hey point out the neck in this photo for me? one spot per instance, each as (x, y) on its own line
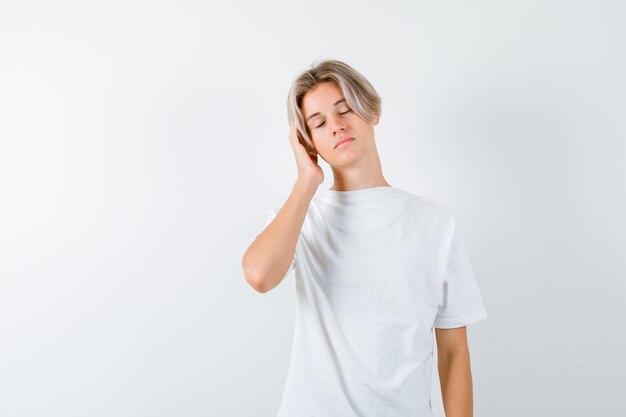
(356, 178)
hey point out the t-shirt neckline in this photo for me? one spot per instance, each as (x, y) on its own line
(362, 192)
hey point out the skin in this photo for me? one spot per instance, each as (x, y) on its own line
(455, 375)
(356, 165)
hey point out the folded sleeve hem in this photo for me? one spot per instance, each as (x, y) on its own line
(460, 321)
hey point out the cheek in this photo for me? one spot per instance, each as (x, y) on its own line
(317, 139)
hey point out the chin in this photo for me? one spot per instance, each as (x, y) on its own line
(346, 159)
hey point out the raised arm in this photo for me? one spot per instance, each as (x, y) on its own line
(269, 256)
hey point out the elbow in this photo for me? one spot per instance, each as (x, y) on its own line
(256, 283)
(258, 274)
(254, 279)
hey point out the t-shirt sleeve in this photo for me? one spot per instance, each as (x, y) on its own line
(461, 302)
(271, 214)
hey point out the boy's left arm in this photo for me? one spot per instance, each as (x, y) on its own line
(455, 374)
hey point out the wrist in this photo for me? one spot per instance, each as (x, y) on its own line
(308, 185)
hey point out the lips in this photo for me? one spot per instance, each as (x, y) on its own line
(342, 140)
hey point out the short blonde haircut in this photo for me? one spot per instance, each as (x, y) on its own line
(360, 95)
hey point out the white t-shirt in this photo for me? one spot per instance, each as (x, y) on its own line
(376, 269)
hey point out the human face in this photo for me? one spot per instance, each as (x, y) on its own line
(329, 119)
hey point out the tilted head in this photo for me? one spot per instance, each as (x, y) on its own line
(332, 101)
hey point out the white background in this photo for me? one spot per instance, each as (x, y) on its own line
(142, 145)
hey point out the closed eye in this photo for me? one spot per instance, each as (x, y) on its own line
(321, 124)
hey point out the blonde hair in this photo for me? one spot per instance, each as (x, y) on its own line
(359, 94)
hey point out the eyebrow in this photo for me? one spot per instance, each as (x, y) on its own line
(315, 114)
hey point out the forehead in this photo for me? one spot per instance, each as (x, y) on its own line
(321, 97)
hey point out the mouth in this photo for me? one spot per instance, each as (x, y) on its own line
(342, 141)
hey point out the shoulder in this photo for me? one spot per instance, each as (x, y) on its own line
(431, 209)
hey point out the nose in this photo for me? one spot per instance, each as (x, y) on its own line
(337, 126)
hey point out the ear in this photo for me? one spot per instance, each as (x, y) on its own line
(377, 119)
